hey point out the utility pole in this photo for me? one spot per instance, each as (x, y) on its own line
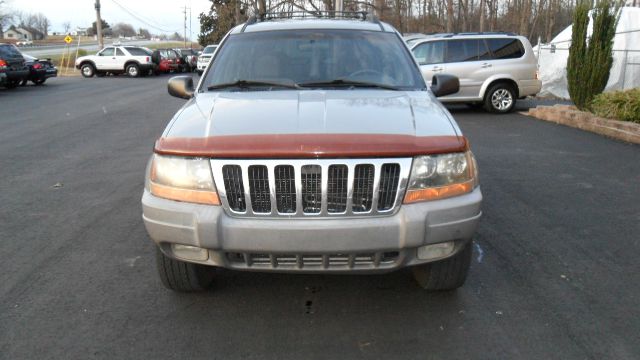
(185, 26)
(339, 6)
(99, 25)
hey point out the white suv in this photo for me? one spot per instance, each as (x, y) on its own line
(494, 69)
(132, 60)
(205, 58)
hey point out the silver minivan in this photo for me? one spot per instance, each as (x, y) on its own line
(494, 69)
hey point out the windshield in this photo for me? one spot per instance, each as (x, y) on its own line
(318, 57)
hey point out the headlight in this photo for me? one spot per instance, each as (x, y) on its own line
(436, 177)
(182, 179)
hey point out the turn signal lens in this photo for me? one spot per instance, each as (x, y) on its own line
(182, 179)
(3, 64)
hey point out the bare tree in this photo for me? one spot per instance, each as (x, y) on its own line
(66, 26)
(450, 15)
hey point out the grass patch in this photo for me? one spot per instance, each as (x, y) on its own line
(620, 105)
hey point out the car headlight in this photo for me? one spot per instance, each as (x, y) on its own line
(182, 179)
(436, 177)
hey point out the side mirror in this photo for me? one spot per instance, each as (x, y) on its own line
(181, 86)
(443, 84)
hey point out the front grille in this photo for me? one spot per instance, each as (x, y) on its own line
(326, 188)
(337, 189)
(232, 179)
(388, 186)
(285, 189)
(363, 188)
(259, 189)
(313, 261)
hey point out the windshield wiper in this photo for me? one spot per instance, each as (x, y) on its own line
(349, 83)
(249, 83)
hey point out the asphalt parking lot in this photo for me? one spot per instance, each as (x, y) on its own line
(555, 271)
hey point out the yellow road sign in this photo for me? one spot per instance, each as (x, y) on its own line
(68, 39)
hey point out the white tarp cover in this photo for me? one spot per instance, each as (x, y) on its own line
(624, 75)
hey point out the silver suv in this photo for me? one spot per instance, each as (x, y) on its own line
(494, 69)
(312, 146)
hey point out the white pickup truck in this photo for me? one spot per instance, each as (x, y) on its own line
(132, 60)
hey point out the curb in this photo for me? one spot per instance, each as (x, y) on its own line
(570, 116)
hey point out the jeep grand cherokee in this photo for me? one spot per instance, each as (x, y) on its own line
(312, 146)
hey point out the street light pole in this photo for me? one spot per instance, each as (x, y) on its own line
(99, 25)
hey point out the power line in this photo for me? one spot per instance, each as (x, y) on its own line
(139, 18)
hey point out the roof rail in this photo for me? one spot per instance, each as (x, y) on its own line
(479, 33)
(313, 14)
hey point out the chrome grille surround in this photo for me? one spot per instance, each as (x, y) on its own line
(315, 171)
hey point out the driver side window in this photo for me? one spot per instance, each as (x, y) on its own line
(107, 52)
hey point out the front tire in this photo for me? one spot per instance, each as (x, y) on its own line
(133, 70)
(501, 98)
(183, 276)
(447, 274)
(87, 70)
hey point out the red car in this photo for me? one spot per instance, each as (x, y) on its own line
(167, 60)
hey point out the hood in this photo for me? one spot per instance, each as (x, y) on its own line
(318, 121)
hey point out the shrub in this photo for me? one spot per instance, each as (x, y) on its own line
(621, 105)
(590, 59)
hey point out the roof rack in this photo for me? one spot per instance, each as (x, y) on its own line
(313, 14)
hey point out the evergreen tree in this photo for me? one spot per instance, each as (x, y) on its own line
(590, 59)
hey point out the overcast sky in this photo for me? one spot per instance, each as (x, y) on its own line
(158, 16)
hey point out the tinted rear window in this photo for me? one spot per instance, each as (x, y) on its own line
(505, 48)
(137, 51)
(9, 51)
(462, 50)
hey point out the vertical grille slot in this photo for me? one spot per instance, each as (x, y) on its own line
(259, 189)
(311, 188)
(388, 188)
(363, 187)
(337, 189)
(232, 177)
(285, 189)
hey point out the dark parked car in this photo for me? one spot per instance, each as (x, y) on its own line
(39, 70)
(189, 59)
(12, 61)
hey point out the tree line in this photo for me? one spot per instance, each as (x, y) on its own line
(531, 18)
(37, 21)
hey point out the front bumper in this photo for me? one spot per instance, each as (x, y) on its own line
(390, 242)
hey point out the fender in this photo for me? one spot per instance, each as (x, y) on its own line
(494, 78)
